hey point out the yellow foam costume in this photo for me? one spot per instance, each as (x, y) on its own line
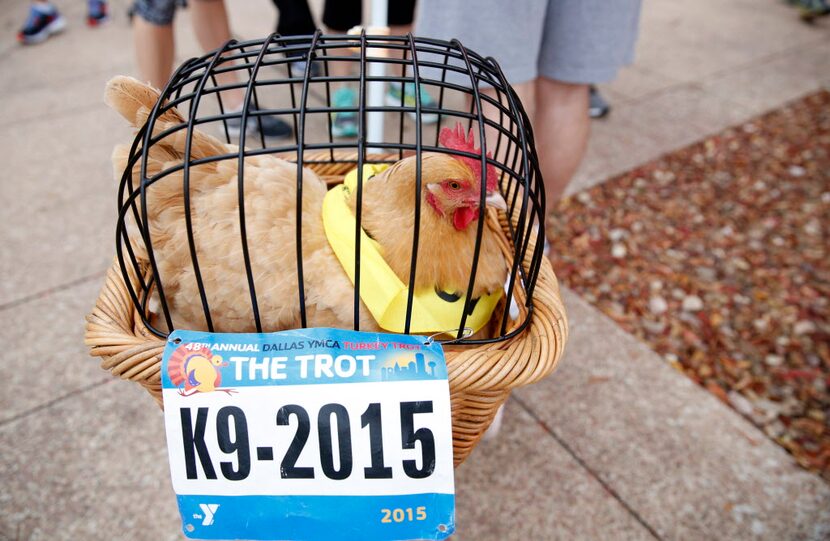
(383, 293)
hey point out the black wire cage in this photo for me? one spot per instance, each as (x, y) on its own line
(464, 87)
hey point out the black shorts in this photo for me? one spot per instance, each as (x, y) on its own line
(341, 15)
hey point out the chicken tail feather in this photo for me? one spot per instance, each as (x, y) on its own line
(129, 96)
(134, 100)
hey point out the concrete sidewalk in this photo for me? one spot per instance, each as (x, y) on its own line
(615, 445)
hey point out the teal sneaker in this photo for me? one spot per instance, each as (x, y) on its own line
(393, 98)
(344, 123)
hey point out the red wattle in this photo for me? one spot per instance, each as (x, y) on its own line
(462, 217)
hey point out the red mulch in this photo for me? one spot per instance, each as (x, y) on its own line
(718, 256)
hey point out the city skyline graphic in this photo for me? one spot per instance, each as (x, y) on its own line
(417, 366)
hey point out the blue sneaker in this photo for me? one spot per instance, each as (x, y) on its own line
(344, 123)
(43, 21)
(97, 13)
(393, 98)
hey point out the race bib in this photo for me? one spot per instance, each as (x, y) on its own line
(310, 434)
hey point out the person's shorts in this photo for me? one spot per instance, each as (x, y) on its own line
(158, 12)
(342, 15)
(575, 41)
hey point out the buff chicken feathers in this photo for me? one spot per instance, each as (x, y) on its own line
(449, 214)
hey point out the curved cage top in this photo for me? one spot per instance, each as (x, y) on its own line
(291, 78)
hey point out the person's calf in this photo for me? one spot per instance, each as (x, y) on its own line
(561, 126)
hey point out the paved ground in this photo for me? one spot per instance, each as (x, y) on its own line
(616, 445)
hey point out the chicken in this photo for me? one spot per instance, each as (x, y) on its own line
(448, 224)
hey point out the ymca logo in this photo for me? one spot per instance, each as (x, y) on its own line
(208, 511)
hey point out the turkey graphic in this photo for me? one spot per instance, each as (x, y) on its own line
(196, 371)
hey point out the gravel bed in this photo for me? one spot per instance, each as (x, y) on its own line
(718, 256)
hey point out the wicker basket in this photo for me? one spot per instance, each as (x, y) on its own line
(480, 377)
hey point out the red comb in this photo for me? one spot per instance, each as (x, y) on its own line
(457, 140)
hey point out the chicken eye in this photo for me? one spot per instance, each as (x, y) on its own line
(454, 185)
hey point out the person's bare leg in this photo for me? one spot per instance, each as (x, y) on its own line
(339, 68)
(527, 96)
(154, 47)
(210, 23)
(561, 127)
(399, 29)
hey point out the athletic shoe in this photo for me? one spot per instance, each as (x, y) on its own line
(597, 107)
(344, 123)
(96, 14)
(41, 23)
(271, 125)
(393, 98)
(298, 68)
(813, 9)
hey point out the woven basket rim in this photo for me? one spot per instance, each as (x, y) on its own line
(480, 376)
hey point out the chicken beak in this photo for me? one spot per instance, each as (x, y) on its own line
(495, 200)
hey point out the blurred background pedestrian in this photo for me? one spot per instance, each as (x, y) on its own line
(340, 16)
(551, 52)
(154, 43)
